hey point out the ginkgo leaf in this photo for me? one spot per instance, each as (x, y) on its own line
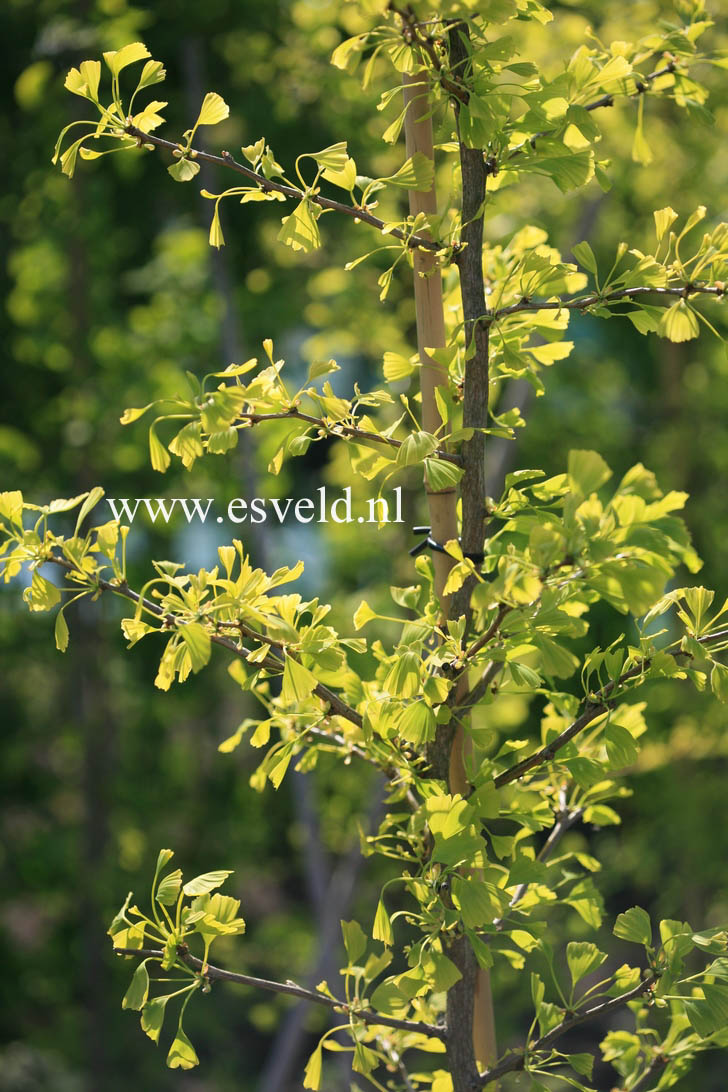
(300, 230)
(182, 1053)
(382, 930)
(128, 54)
(84, 80)
(183, 170)
(158, 453)
(214, 109)
(197, 640)
(208, 881)
(312, 1072)
(136, 996)
(334, 157)
(416, 173)
(298, 682)
(153, 72)
(417, 723)
(664, 218)
(641, 151)
(585, 256)
(679, 323)
(397, 367)
(61, 632)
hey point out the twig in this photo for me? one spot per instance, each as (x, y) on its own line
(603, 100)
(582, 303)
(490, 632)
(593, 708)
(564, 821)
(412, 36)
(518, 1060)
(481, 687)
(654, 1070)
(336, 704)
(395, 1060)
(269, 185)
(219, 974)
(547, 753)
(335, 428)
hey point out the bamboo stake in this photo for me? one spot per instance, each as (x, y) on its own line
(442, 504)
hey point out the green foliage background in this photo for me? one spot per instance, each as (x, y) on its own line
(111, 293)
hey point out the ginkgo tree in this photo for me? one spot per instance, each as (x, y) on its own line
(502, 590)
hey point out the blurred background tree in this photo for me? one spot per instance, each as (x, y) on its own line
(111, 293)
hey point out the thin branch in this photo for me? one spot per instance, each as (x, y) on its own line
(412, 36)
(481, 687)
(269, 185)
(652, 1073)
(335, 428)
(272, 661)
(395, 1060)
(337, 740)
(593, 708)
(490, 632)
(582, 303)
(565, 820)
(514, 1062)
(219, 974)
(547, 753)
(604, 100)
(608, 100)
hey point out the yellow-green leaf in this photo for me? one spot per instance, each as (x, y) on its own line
(441, 474)
(634, 925)
(158, 453)
(197, 640)
(641, 151)
(664, 218)
(168, 890)
(133, 414)
(382, 930)
(153, 72)
(136, 996)
(182, 1053)
(208, 881)
(417, 723)
(363, 614)
(183, 170)
(298, 682)
(587, 471)
(84, 80)
(416, 173)
(11, 506)
(334, 157)
(128, 54)
(679, 323)
(300, 229)
(152, 1016)
(719, 681)
(61, 632)
(42, 594)
(312, 1073)
(397, 367)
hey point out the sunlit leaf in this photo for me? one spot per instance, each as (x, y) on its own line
(214, 109)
